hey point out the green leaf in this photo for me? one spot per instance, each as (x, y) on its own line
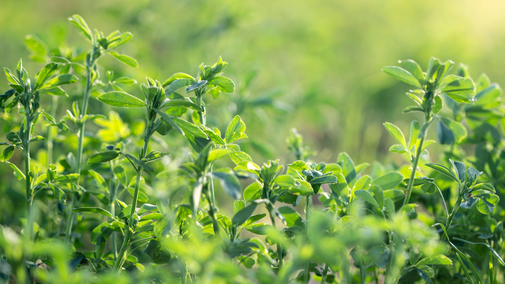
(390, 206)
(81, 26)
(247, 262)
(121, 99)
(119, 40)
(58, 91)
(224, 84)
(426, 270)
(436, 260)
(189, 127)
(238, 156)
(254, 218)
(415, 129)
(58, 193)
(487, 202)
(259, 228)
(170, 121)
(444, 134)
(457, 129)
(303, 189)
(394, 194)
(389, 180)
(413, 109)
(443, 170)
(92, 210)
(285, 181)
(125, 81)
(37, 47)
(397, 148)
(178, 76)
(437, 106)
(182, 103)
(45, 74)
(460, 89)
(70, 178)
(128, 60)
(6, 153)
(462, 255)
(229, 182)
(103, 157)
(348, 168)
(396, 133)
(324, 180)
(252, 192)
(402, 75)
(216, 154)
(460, 169)
(235, 130)
(489, 95)
(17, 172)
(238, 205)
(414, 68)
(291, 216)
(142, 197)
(487, 245)
(196, 85)
(179, 83)
(120, 173)
(484, 186)
(244, 214)
(11, 78)
(378, 195)
(365, 195)
(58, 81)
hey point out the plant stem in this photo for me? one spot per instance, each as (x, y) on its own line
(362, 272)
(325, 273)
(113, 189)
(212, 202)
(419, 150)
(454, 210)
(126, 241)
(118, 263)
(28, 184)
(80, 137)
(279, 247)
(307, 216)
(199, 101)
(54, 102)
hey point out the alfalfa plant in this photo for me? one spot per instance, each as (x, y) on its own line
(457, 90)
(163, 110)
(27, 94)
(101, 45)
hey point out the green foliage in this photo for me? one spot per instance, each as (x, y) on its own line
(148, 197)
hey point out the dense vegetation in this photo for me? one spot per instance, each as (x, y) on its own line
(137, 203)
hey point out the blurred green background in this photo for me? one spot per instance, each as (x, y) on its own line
(320, 59)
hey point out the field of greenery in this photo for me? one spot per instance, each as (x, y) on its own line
(252, 142)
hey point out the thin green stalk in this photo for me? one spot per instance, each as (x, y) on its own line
(419, 150)
(113, 189)
(279, 247)
(307, 216)
(199, 101)
(118, 263)
(80, 137)
(50, 138)
(126, 241)
(362, 274)
(212, 205)
(28, 184)
(453, 213)
(325, 273)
